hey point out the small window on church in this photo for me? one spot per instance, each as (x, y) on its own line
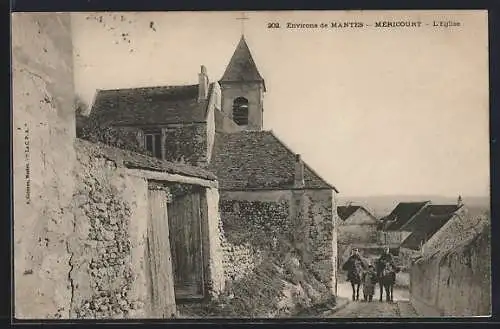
(240, 111)
(153, 143)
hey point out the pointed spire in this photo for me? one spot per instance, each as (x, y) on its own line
(241, 67)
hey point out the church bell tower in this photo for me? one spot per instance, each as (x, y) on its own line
(243, 89)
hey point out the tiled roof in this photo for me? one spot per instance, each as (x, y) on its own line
(400, 215)
(257, 160)
(135, 160)
(427, 223)
(241, 67)
(431, 211)
(149, 105)
(345, 211)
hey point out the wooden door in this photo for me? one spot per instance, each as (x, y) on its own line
(160, 260)
(186, 244)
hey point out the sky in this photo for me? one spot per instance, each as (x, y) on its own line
(375, 111)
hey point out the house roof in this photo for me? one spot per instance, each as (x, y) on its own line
(148, 105)
(400, 215)
(431, 211)
(242, 67)
(427, 223)
(345, 212)
(135, 160)
(257, 160)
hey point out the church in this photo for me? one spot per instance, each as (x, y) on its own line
(263, 185)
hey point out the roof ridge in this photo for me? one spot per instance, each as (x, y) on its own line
(148, 87)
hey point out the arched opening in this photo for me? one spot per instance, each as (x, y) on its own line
(240, 111)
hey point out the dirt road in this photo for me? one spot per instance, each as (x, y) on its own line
(400, 307)
(344, 290)
(376, 309)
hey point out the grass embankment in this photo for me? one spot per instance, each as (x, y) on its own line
(279, 286)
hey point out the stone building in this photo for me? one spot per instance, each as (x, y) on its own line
(357, 226)
(93, 235)
(219, 126)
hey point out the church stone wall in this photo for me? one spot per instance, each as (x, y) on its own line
(223, 123)
(316, 232)
(186, 143)
(303, 220)
(251, 91)
(43, 159)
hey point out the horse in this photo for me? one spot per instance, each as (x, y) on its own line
(354, 270)
(386, 274)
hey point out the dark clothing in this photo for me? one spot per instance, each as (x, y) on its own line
(354, 266)
(384, 259)
(369, 280)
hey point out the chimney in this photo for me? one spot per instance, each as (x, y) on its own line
(299, 172)
(203, 84)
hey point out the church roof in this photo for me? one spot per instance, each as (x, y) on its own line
(148, 105)
(242, 67)
(427, 223)
(257, 160)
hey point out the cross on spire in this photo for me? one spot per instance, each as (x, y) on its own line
(242, 18)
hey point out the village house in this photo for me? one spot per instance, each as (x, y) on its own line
(390, 230)
(219, 126)
(423, 227)
(357, 226)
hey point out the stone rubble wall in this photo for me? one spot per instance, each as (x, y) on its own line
(454, 282)
(108, 256)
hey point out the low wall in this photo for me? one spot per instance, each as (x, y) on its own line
(456, 282)
(108, 276)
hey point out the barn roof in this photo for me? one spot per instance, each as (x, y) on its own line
(257, 160)
(403, 213)
(427, 223)
(135, 160)
(242, 67)
(149, 105)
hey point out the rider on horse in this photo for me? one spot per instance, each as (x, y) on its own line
(386, 257)
(354, 267)
(352, 263)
